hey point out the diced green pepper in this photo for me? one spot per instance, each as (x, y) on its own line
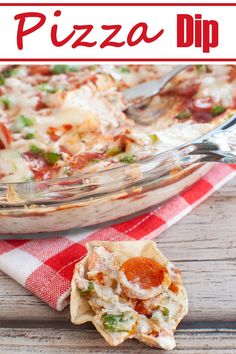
(63, 69)
(124, 69)
(185, 114)
(2, 80)
(52, 157)
(217, 110)
(29, 136)
(114, 323)
(5, 101)
(154, 138)
(73, 68)
(47, 88)
(201, 69)
(67, 171)
(10, 72)
(59, 69)
(36, 149)
(115, 150)
(89, 289)
(127, 158)
(23, 121)
(165, 312)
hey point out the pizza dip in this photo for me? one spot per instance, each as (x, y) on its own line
(62, 120)
(129, 290)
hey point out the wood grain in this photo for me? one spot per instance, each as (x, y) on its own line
(88, 341)
(203, 245)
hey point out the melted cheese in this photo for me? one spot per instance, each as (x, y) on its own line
(85, 111)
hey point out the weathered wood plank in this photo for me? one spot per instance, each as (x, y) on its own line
(203, 245)
(88, 341)
(211, 293)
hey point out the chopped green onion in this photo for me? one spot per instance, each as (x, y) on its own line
(165, 312)
(23, 121)
(35, 149)
(127, 158)
(114, 323)
(52, 157)
(29, 136)
(217, 110)
(155, 138)
(5, 101)
(47, 88)
(2, 80)
(185, 114)
(115, 150)
(89, 289)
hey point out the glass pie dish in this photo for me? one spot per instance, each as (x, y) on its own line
(70, 156)
(89, 199)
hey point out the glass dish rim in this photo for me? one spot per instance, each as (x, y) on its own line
(162, 163)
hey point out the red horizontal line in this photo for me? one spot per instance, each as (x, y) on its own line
(118, 4)
(113, 59)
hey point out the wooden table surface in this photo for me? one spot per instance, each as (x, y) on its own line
(203, 245)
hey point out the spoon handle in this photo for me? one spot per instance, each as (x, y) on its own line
(217, 145)
(150, 88)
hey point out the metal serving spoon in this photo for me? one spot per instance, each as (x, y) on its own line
(218, 145)
(138, 97)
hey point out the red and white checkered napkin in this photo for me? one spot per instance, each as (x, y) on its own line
(45, 266)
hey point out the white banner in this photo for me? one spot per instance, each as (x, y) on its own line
(117, 32)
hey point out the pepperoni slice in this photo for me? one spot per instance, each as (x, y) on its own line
(146, 272)
(203, 104)
(5, 136)
(67, 127)
(41, 169)
(232, 74)
(174, 288)
(81, 160)
(140, 307)
(202, 117)
(40, 103)
(187, 88)
(40, 70)
(52, 132)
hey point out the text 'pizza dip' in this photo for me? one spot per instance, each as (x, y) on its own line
(58, 121)
(129, 290)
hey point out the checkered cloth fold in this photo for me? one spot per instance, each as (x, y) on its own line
(45, 266)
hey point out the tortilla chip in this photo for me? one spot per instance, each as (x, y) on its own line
(81, 311)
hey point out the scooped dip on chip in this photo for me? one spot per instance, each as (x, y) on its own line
(129, 290)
